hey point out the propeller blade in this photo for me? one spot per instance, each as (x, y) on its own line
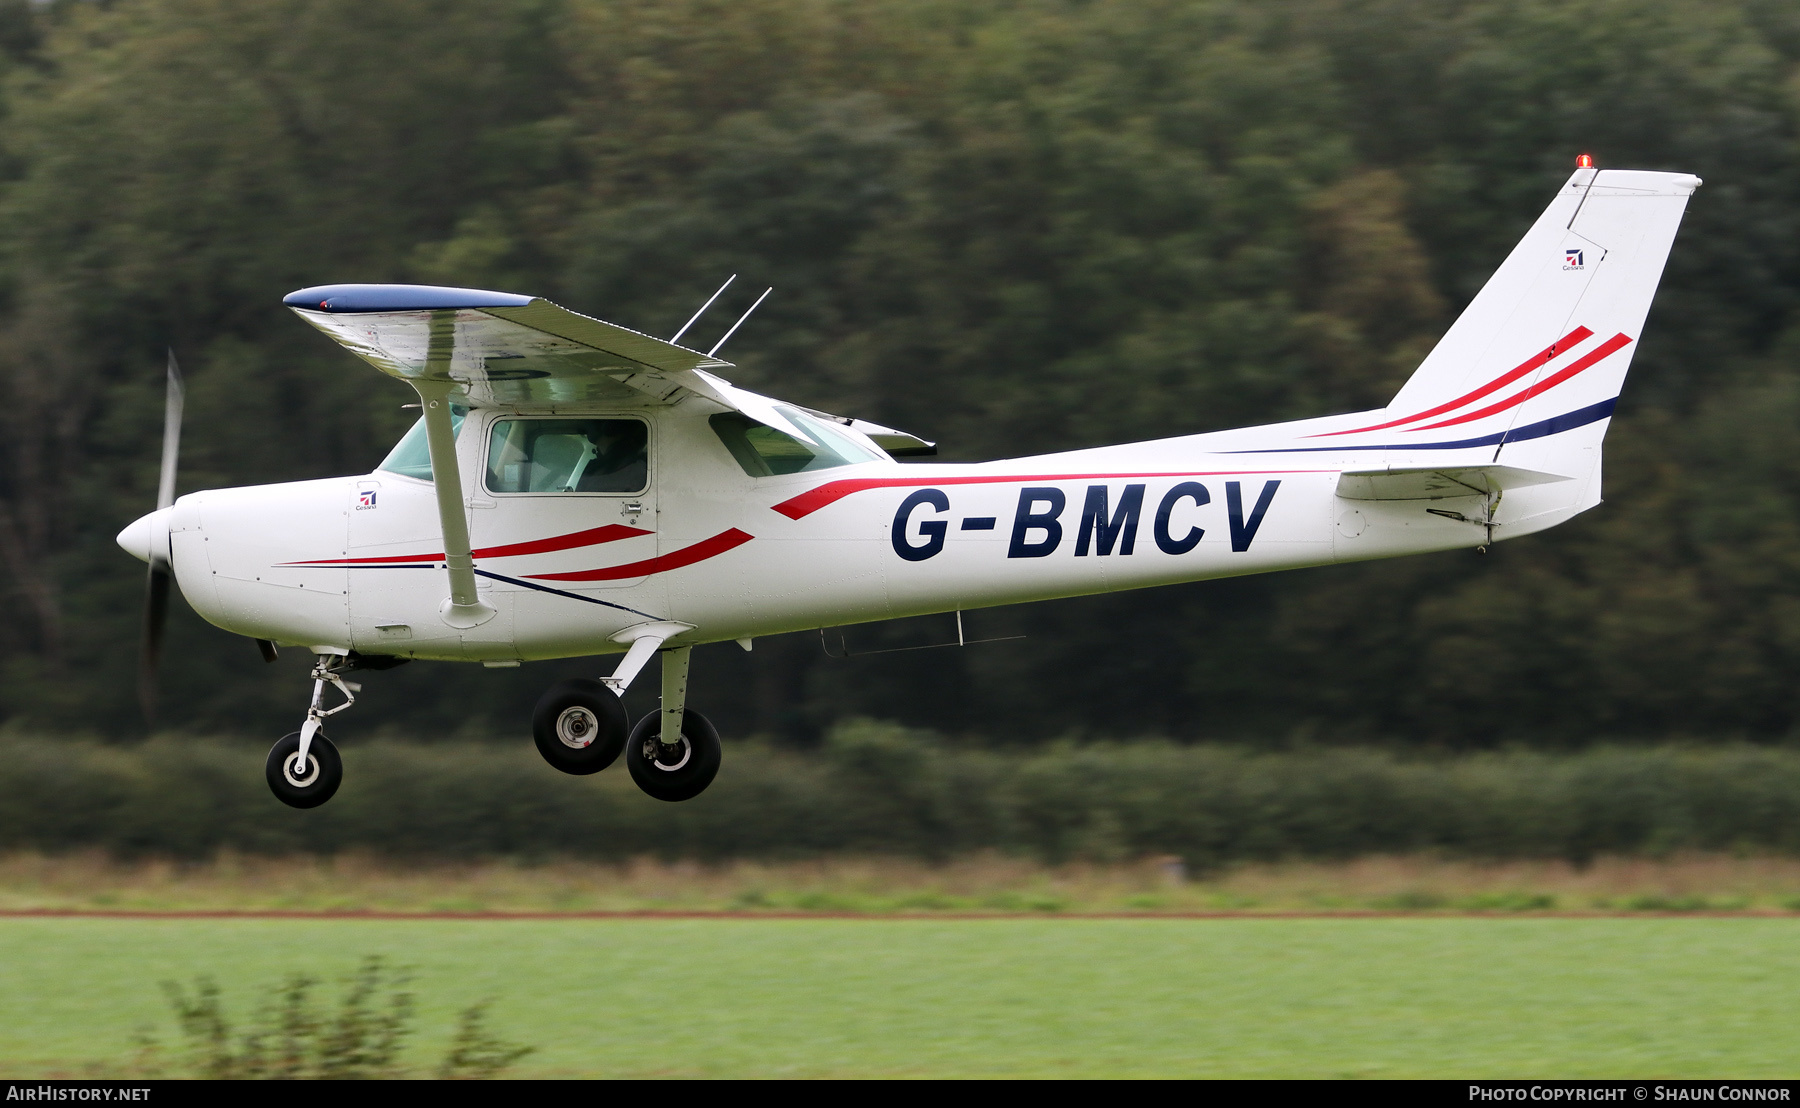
(174, 400)
(161, 579)
(156, 614)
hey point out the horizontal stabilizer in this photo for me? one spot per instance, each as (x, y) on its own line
(1422, 483)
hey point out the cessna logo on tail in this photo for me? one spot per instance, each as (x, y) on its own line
(1105, 527)
(1572, 259)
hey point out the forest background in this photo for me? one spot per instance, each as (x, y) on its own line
(1009, 227)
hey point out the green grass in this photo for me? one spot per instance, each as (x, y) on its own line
(1457, 997)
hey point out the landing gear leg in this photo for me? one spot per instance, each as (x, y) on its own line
(303, 768)
(674, 752)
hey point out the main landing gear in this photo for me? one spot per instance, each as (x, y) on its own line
(580, 726)
(673, 753)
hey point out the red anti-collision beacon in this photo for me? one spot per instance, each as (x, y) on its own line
(1584, 161)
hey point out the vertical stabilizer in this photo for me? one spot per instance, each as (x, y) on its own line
(1541, 353)
(1530, 372)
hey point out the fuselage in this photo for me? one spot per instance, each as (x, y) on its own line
(355, 563)
(610, 482)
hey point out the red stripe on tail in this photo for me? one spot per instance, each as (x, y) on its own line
(1573, 338)
(1600, 353)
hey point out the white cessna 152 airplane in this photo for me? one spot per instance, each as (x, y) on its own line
(576, 488)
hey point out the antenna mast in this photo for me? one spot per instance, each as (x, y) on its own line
(703, 307)
(740, 321)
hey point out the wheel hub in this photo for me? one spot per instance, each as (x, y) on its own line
(667, 758)
(577, 727)
(297, 775)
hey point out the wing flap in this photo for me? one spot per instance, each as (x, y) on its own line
(623, 342)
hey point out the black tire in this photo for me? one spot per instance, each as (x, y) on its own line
(693, 767)
(580, 726)
(326, 771)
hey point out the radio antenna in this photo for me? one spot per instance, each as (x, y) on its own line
(703, 307)
(740, 321)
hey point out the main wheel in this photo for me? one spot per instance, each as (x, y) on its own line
(681, 772)
(305, 786)
(580, 726)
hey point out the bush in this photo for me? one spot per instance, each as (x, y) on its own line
(290, 1037)
(876, 789)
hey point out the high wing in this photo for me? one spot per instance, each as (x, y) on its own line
(523, 353)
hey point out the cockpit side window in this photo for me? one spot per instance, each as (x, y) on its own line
(763, 451)
(411, 456)
(569, 455)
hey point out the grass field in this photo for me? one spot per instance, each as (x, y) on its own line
(1464, 997)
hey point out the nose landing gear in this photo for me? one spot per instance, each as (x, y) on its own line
(303, 768)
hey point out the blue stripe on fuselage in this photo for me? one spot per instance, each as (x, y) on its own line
(1581, 417)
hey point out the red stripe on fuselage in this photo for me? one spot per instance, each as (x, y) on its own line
(612, 532)
(686, 556)
(831, 492)
(1562, 345)
(594, 536)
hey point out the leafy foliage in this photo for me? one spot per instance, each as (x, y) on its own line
(877, 789)
(290, 1038)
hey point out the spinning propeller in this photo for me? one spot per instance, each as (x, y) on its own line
(160, 578)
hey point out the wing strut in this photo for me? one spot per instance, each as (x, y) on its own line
(464, 609)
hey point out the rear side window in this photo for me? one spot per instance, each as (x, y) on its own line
(765, 452)
(568, 455)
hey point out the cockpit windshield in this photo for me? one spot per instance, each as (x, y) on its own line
(411, 456)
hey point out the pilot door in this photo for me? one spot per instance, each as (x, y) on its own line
(563, 512)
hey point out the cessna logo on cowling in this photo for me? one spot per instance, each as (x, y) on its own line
(1104, 528)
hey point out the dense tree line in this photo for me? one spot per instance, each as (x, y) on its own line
(1009, 227)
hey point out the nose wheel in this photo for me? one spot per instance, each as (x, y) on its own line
(304, 780)
(303, 768)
